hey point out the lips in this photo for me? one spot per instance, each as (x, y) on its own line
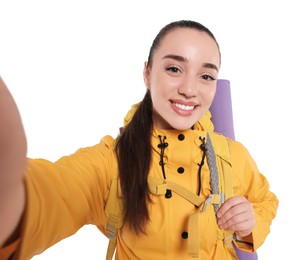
(183, 108)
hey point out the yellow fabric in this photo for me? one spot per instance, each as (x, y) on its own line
(72, 192)
(111, 249)
(225, 187)
(159, 188)
(114, 214)
(193, 232)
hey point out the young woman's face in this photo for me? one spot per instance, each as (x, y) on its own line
(182, 79)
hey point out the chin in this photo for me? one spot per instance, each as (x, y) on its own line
(181, 126)
(174, 123)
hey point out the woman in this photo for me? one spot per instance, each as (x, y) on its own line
(164, 139)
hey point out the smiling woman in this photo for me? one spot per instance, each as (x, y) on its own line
(173, 171)
(186, 76)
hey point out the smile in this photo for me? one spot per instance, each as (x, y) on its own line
(183, 107)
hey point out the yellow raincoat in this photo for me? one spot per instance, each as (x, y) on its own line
(72, 192)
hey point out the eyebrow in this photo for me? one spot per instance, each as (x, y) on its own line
(183, 59)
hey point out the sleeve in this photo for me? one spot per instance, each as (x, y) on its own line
(252, 184)
(63, 196)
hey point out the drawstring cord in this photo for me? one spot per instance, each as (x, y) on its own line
(163, 144)
(162, 147)
(204, 149)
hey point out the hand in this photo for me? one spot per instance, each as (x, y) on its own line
(237, 214)
(13, 161)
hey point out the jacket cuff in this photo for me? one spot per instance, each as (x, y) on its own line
(245, 244)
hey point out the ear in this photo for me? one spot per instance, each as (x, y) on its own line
(146, 75)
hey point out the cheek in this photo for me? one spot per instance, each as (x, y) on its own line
(161, 82)
(157, 86)
(210, 95)
(154, 81)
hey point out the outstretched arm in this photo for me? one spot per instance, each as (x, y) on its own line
(13, 149)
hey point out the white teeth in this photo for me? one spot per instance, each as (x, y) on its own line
(183, 106)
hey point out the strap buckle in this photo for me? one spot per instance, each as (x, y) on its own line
(111, 231)
(213, 199)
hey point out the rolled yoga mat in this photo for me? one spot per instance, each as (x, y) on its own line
(221, 109)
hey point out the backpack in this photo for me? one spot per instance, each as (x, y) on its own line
(218, 159)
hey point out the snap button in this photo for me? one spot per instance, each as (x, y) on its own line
(185, 235)
(181, 170)
(181, 137)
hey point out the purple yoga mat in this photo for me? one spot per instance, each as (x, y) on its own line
(222, 119)
(221, 109)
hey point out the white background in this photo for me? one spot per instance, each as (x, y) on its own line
(75, 68)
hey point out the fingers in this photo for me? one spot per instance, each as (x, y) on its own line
(237, 214)
(230, 203)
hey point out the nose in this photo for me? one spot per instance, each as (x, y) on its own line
(188, 87)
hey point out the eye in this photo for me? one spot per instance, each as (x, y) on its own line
(173, 69)
(208, 77)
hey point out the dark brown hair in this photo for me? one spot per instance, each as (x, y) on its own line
(133, 148)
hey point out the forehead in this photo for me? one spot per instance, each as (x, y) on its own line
(189, 43)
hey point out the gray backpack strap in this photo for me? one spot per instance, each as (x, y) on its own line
(214, 178)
